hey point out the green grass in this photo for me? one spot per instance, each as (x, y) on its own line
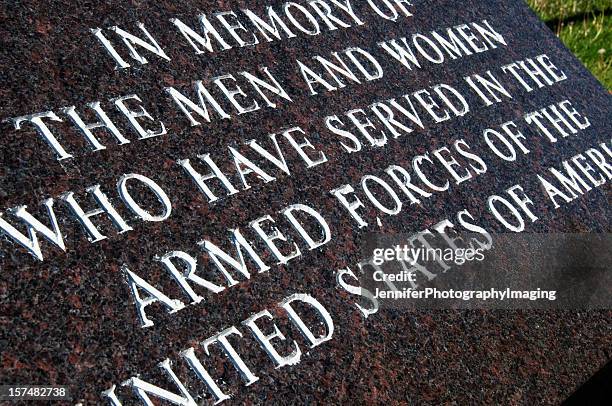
(585, 29)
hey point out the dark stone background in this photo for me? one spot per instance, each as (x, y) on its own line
(69, 320)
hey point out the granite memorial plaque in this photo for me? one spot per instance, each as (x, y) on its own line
(188, 187)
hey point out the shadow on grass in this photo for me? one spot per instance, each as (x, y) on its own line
(554, 23)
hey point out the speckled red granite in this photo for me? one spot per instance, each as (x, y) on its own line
(69, 320)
